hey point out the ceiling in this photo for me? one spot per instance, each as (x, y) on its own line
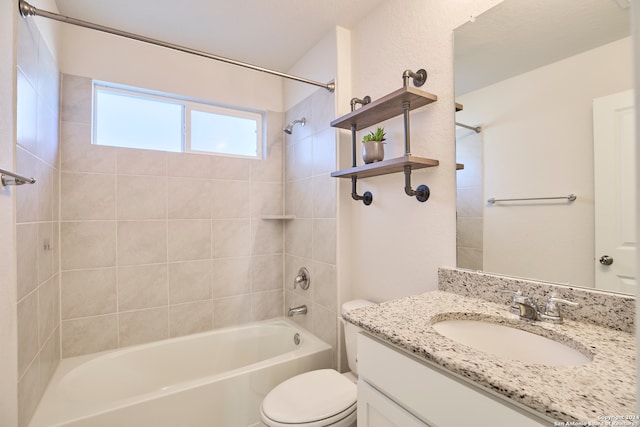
(520, 35)
(268, 33)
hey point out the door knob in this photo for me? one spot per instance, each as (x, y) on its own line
(606, 260)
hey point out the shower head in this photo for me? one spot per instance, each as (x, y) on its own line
(289, 128)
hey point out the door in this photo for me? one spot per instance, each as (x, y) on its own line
(615, 192)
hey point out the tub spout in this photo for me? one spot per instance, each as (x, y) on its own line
(297, 310)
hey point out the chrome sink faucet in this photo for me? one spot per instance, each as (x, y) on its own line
(527, 309)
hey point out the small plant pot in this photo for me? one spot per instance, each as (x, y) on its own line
(373, 151)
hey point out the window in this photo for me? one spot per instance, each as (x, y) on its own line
(135, 118)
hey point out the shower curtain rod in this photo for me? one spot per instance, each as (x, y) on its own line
(28, 10)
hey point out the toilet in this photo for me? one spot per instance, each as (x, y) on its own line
(318, 398)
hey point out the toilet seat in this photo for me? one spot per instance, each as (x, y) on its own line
(314, 399)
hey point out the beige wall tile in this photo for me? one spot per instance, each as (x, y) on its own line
(26, 195)
(77, 95)
(141, 197)
(189, 198)
(221, 167)
(87, 244)
(266, 237)
(48, 309)
(190, 318)
(230, 199)
(266, 198)
(231, 276)
(267, 273)
(231, 311)
(189, 239)
(137, 327)
(189, 281)
(88, 196)
(230, 238)
(141, 162)
(324, 196)
(142, 242)
(45, 251)
(28, 343)
(27, 255)
(78, 154)
(28, 394)
(266, 305)
(44, 177)
(324, 240)
(298, 237)
(88, 293)
(188, 165)
(27, 113)
(325, 285)
(89, 335)
(142, 286)
(49, 359)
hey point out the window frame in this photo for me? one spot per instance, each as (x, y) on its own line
(188, 105)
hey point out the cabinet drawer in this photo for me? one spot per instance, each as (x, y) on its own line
(436, 397)
(376, 410)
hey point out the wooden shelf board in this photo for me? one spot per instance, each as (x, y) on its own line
(459, 166)
(384, 108)
(386, 167)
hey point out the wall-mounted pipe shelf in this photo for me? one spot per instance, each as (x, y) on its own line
(386, 167)
(12, 178)
(401, 101)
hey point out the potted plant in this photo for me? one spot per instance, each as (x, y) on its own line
(373, 146)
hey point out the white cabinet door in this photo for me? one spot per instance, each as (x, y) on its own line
(376, 410)
(432, 394)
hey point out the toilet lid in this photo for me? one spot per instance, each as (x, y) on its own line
(309, 397)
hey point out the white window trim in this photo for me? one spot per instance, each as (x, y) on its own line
(188, 105)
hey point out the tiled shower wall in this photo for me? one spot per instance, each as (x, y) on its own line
(469, 200)
(157, 245)
(310, 195)
(38, 264)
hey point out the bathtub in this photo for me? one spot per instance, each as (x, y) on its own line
(211, 379)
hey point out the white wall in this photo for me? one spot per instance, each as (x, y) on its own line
(398, 243)
(8, 298)
(542, 140)
(102, 56)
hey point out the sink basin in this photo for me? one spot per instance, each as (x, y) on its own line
(510, 343)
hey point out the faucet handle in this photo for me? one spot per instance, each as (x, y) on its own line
(552, 312)
(303, 279)
(517, 298)
(551, 308)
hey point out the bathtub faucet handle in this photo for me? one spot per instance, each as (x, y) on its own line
(303, 279)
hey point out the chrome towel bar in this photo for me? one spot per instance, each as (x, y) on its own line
(14, 179)
(570, 197)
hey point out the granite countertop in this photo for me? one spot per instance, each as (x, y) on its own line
(587, 393)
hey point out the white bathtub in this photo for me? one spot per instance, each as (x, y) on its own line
(216, 378)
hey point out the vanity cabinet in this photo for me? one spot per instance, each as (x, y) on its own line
(397, 389)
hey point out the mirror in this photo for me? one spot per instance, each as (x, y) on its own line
(531, 75)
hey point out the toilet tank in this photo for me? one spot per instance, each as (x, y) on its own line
(351, 331)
